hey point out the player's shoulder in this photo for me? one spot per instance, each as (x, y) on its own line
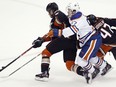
(60, 14)
(61, 17)
(76, 16)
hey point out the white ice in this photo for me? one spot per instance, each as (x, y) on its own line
(22, 21)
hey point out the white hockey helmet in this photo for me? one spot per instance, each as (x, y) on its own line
(72, 8)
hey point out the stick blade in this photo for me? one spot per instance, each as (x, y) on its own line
(4, 76)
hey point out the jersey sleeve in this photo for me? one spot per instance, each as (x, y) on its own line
(73, 29)
(111, 22)
(67, 32)
(62, 18)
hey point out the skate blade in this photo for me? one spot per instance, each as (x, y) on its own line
(90, 79)
(42, 79)
(4, 76)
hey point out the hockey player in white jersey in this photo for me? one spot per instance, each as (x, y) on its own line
(89, 40)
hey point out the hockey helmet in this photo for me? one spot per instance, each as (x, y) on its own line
(52, 6)
(92, 19)
(72, 8)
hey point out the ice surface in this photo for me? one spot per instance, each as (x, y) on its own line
(22, 21)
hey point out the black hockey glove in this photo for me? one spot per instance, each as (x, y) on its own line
(38, 42)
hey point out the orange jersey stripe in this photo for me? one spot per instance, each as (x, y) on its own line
(73, 27)
(88, 53)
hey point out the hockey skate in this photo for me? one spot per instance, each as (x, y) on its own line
(44, 76)
(95, 73)
(90, 76)
(106, 69)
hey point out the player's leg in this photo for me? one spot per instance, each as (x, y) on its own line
(69, 56)
(102, 64)
(54, 46)
(44, 75)
(101, 53)
(51, 48)
(88, 51)
(113, 50)
(103, 50)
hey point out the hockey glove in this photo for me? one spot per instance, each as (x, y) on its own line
(38, 42)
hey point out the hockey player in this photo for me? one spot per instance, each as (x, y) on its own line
(67, 45)
(112, 23)
(108, 35)
(113, 50)
(90, 41)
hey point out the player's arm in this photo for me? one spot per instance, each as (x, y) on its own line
(110, 21)
(62, 18)
(99, 24)
(38, 42)
(66, 32)
(46, 37)
(69, 31)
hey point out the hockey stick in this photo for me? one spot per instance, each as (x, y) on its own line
(20, 67)
(3, 67)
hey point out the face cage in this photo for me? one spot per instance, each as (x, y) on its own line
(51, 13)
(70, 12)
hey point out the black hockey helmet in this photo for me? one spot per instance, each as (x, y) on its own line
(92, 19)
(52, 6)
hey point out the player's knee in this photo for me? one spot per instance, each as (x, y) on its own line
(100, 55)
(46, 57)
(103, 50)
(69, 64)
(94, 60)
(81, 62)
(46, 53)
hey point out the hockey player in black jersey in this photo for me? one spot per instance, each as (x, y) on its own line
(104, 25)
(67, 45)
(112, 23)
(108, 34)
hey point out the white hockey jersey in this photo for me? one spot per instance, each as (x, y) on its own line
(80, 26)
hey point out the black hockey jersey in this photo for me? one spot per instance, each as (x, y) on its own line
(60, 21)
(110, 21)
(108, 34)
